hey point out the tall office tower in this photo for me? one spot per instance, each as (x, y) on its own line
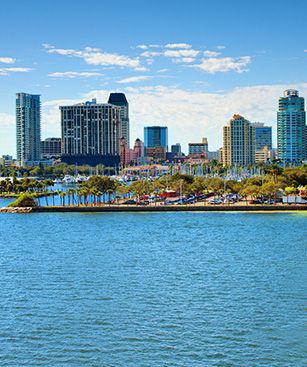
(156, 142)
(291, 128)
(155, 136)
(90, 134)
(238, 142)
(263, 135)
(28, 128)
(119, 99)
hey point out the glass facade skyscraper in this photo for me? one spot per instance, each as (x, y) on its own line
(291, 128)
(28, 128)
(263, 136)
(155, 136)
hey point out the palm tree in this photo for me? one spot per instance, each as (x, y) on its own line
(62, 196)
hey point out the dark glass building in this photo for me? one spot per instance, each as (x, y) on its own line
(155, 136)
(119, 99)
(263, 136)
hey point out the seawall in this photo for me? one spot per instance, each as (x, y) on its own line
(173, 208)
(160, 208)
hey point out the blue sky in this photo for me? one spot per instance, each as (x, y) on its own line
(189, 65)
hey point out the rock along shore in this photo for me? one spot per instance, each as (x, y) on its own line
(16, 210)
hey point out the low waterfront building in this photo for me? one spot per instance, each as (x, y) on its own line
(263, 155)
(51, 148)
(198, 150)
(156, 153)
(211, 156)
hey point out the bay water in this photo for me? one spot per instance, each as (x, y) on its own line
(153, 289)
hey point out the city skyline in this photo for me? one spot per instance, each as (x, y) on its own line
(191, 74)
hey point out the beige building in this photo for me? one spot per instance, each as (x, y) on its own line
(263, 155)
(238, 142)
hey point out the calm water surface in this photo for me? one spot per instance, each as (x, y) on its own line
(169, 289)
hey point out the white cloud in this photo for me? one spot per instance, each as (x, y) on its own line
(7, 60)
(208, 53)
(184, 59)
(142, 47)
(7, 71)
(151, 54)
(224, 64)
(134, 79)
(94, 56)
(162, 70)
(7, 120)
(178, 45)
(220, 47)
(74, 74)
(188, 114)
(177, 56)
(181, 53)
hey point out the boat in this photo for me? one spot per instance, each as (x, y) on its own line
(80, 179)
(68, 180)
(57, 181)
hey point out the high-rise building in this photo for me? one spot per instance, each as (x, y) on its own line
(28, 128)
(291, 128)
(119, 99)
(156, 142)
(155, 136)
(90, 134)
(51, 147)
(263, 135)
(238, 142)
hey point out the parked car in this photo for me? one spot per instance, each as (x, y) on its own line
(144, 202)
(256, 201)
(130, 202)
(269, 201)
(215, 201)
(190, 200)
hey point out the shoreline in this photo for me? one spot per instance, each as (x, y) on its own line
(134, 209)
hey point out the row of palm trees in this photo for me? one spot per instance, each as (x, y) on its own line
(14, 186)
(101, 189)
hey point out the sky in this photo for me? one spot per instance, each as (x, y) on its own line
(189, 65)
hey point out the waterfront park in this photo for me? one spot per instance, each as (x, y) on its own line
(216, 186)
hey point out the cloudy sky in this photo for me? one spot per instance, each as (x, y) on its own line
(189, 65)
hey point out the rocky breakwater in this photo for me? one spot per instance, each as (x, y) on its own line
(22, 210)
